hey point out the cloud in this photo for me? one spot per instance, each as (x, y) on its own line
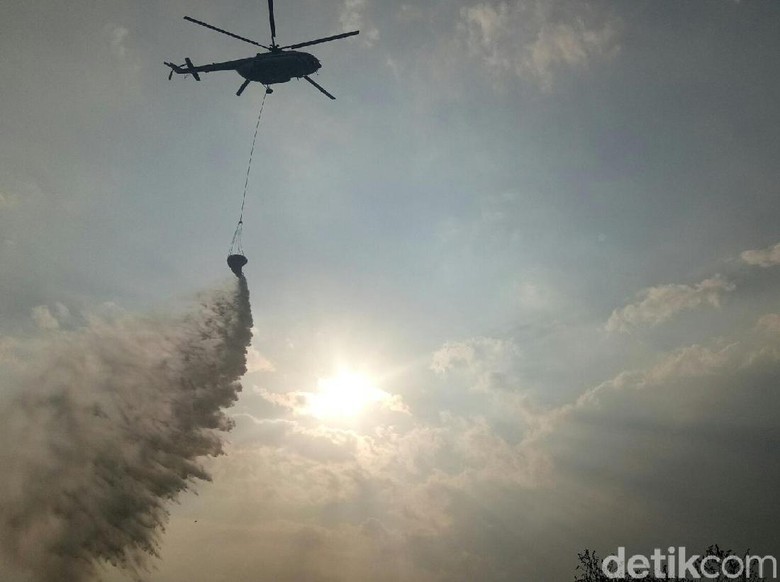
(535, 297)
(353, 17)
(45, 319)
(489, 362)
(286, 550)
(695, 363)
(410, 13)
(290, 400)
(117, 36)
(475, 479)
(473, 493)
(656, 305)
(707, 412)
(474, 353)
(489, 457)
(340, 397)
(8, 201)
(767, 257)
(769, 323)
(689, 362)
(404, 475)
(257, 362)
(536, 39)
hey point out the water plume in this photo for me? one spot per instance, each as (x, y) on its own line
(102, 427)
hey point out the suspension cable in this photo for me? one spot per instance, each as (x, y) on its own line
(235, 245)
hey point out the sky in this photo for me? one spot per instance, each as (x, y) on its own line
(514, 292)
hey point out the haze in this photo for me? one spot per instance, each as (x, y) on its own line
(539, 239)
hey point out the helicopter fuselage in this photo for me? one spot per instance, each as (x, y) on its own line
(278, 66)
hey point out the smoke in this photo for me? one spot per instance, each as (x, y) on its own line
(100, 428)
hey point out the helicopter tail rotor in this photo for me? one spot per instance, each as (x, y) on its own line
(174, 69)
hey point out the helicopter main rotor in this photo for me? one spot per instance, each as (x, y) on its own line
(272, 21)
(201, 23)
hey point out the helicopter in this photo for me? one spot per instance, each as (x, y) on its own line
(278, 65)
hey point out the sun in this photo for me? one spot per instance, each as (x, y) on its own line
(344, 396)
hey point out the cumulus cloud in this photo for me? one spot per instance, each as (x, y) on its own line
(536, 39)
(45, 319)
(693, 361)
(489, 457)
(683, 378)
(490, 361)
(405, 474)
(656, 305)
(767, 257)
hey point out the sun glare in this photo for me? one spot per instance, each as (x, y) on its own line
(343, 396)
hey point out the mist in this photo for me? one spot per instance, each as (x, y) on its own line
(102, 427)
